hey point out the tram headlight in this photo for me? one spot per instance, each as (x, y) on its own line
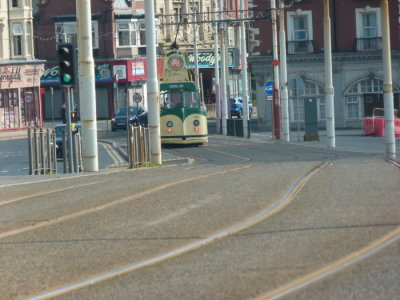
(196, 123)
(170, 124)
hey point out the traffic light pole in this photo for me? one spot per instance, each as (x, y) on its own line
(69, 131)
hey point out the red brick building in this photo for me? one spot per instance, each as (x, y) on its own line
(357, 57)
(119, 47)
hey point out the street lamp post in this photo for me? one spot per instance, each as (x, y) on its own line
(87, 87)
(245, 86)
(196, 59)
(216, 68)
(329, 92)
(153, 88)
(223, 73)
(284, 81)
(387, 84)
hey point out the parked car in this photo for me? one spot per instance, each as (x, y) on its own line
(119, 119)
(141, 119)
(237, 107)
(59, 130)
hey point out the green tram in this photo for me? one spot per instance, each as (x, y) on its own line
(183, 116)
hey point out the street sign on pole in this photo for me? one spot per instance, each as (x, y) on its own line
(137, 98)
(268, 87)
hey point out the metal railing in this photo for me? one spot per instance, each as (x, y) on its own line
(138, 147)
(72, 163)
(295, 47)
(42, 151)
(369, 44)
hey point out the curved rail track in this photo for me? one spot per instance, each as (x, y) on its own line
(262, 215)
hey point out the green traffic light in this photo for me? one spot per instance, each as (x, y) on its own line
(67, 78)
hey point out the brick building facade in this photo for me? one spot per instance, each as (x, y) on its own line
(356, 56)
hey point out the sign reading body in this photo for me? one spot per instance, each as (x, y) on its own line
(206, 59)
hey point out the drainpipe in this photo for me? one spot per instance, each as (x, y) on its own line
(9, 29)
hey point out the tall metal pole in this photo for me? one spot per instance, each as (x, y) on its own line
(329, 92)
(87, 90)
(152, 85)
(196, 54)
(68, 131)
(223, 72)
(216, 69)
(387, 84)
(284, 81)
(276, 106)
(245, 85)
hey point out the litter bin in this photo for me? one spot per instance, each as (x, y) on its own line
(235, 127)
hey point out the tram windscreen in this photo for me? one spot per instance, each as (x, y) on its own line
(179, 99)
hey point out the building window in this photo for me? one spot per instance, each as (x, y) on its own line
(353, 109)
(298, 110)
(131, 34)
(369, 36)
(28, 38)
(142, 35)
(300, 32)
(67, 33)
(127, 34)
(17, 39)
(355, 96)
(15, 3)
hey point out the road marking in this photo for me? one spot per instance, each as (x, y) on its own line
(332, 268)
(276, 207)
(230, 154)
(48, 192)
(118, 160)
(110, 204)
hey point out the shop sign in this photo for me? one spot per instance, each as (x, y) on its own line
(50, 75)
(138, 68)
(120, 71)
(18, 76)
(103, 72)
(206, 59)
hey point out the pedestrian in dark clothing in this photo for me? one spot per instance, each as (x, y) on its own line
(62, 113)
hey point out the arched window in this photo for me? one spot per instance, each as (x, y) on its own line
(355, 95)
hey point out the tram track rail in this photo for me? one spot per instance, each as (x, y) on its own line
(336, 266)
(91, 210)
(277, 293)
(263, 214)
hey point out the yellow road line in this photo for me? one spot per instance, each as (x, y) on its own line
(48, 192)
(333, 267)
(285, 200)
(110, 204)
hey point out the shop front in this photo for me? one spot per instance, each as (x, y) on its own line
(20, 95)
(206, 62)
(117, 83)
